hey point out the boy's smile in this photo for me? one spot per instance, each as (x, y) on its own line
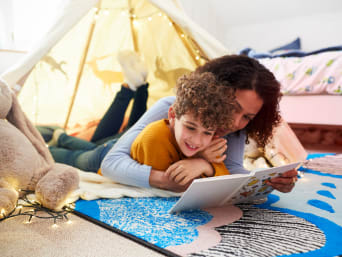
(190, 135)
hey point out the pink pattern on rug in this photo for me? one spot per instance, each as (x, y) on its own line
(207, 235)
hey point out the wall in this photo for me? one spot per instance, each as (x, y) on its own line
(266, 24)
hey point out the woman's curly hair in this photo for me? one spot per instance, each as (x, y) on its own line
(244, 73)
(203, 96)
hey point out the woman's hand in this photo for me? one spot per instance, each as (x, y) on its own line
(185, 171)
(286, 182)
(215, 151)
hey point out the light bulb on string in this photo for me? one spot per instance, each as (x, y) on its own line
(3, 212)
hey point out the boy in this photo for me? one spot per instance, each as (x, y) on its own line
(202, 105)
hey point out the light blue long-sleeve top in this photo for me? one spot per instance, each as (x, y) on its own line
(120, 167)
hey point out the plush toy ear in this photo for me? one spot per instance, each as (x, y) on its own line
(5, 99)
(18, 118)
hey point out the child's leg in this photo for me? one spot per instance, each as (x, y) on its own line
(135, 74)
(47, 131)
(112, 120)
(85, 160)
(139, 105)
(74, 143)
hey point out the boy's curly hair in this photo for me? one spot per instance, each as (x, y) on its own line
(204, 97)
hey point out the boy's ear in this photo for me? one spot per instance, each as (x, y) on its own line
(171, 115)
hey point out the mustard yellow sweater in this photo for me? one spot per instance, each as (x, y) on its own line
(156, 146)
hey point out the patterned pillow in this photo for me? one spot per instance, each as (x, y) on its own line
(294, 45)
(314, 74)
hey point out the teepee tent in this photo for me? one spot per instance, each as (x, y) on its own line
(73, 73)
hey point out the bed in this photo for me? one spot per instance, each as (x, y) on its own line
(263, 25)
(312, 91)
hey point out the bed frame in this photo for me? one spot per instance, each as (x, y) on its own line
(316, 120)
(314, 109)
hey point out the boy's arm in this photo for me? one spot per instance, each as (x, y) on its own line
(220, 169)
(153, 147)
(185, 171)
(228, 149)
(118, 164)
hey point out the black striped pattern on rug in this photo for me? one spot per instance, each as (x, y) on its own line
(263, 232)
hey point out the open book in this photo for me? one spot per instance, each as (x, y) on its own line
(229, 189)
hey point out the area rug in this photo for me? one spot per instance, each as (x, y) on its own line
(305, 222)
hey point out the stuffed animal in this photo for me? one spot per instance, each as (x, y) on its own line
(25, 161)
(283, 148)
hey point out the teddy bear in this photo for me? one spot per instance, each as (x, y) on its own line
(283, 148)
(25, 161)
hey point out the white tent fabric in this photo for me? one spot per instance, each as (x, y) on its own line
(187, 46)
(66, 17)
(209, 45)
(71, 12)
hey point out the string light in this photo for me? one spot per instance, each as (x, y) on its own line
(3, 212)
(130, 13)
(300, 174)
(32, 208)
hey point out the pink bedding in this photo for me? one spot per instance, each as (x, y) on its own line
(309, 75)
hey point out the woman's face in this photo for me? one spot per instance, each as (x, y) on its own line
(248, 105)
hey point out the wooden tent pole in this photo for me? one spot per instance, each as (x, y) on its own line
(81, 66)
(131, 18)
(186, 43)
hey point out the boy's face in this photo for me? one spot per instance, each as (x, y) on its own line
(190, 135)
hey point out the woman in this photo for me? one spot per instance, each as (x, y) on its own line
(257, 95)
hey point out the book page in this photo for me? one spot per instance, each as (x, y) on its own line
(256, 187)
(209, 192)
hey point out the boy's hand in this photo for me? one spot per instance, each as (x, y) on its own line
(284, 183)
(215, 151)
(159, 179)
(184, 172)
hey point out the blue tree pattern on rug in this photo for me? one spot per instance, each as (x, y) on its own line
(147, 218)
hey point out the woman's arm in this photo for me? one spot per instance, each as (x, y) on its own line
(118, 164)
(235, 152)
